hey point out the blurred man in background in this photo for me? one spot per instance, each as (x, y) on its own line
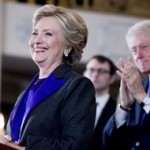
(101, 71)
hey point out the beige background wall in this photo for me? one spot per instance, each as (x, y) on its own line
(1, 39)
(106, 31)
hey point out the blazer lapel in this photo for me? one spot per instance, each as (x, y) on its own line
(104, 115)
(47, 88)
(15, 117)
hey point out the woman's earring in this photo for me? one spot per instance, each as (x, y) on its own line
(66, 53)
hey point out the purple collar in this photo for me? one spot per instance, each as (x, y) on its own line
(20, 111)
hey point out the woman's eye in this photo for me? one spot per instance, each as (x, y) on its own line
(49, 34)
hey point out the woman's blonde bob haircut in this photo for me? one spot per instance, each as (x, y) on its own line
(73, 27)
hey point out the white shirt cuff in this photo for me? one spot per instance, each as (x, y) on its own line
(120, 116)
(146, 106)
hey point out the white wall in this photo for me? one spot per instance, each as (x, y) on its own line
(18, 27)
(1, 24)
(1, 28)
(106, 32)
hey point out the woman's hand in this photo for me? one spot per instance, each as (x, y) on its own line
(6, 140)
(3, 140)
(15, 145)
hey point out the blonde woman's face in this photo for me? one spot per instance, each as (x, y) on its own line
(47, 42)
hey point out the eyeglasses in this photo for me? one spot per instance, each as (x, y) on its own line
(99, 71)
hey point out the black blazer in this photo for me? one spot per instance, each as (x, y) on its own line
(133, 135)
(107, 112)
(65, 119)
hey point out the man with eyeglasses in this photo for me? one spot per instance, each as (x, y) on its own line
(101, 71)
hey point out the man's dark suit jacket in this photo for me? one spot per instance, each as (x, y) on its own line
(133, 135)
(107, 112)
(65, 119)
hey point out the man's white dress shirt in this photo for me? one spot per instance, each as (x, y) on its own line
(100, 104)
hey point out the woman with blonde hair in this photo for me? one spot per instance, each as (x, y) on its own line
(55, 112)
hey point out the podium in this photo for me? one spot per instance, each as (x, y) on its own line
(6, 147)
